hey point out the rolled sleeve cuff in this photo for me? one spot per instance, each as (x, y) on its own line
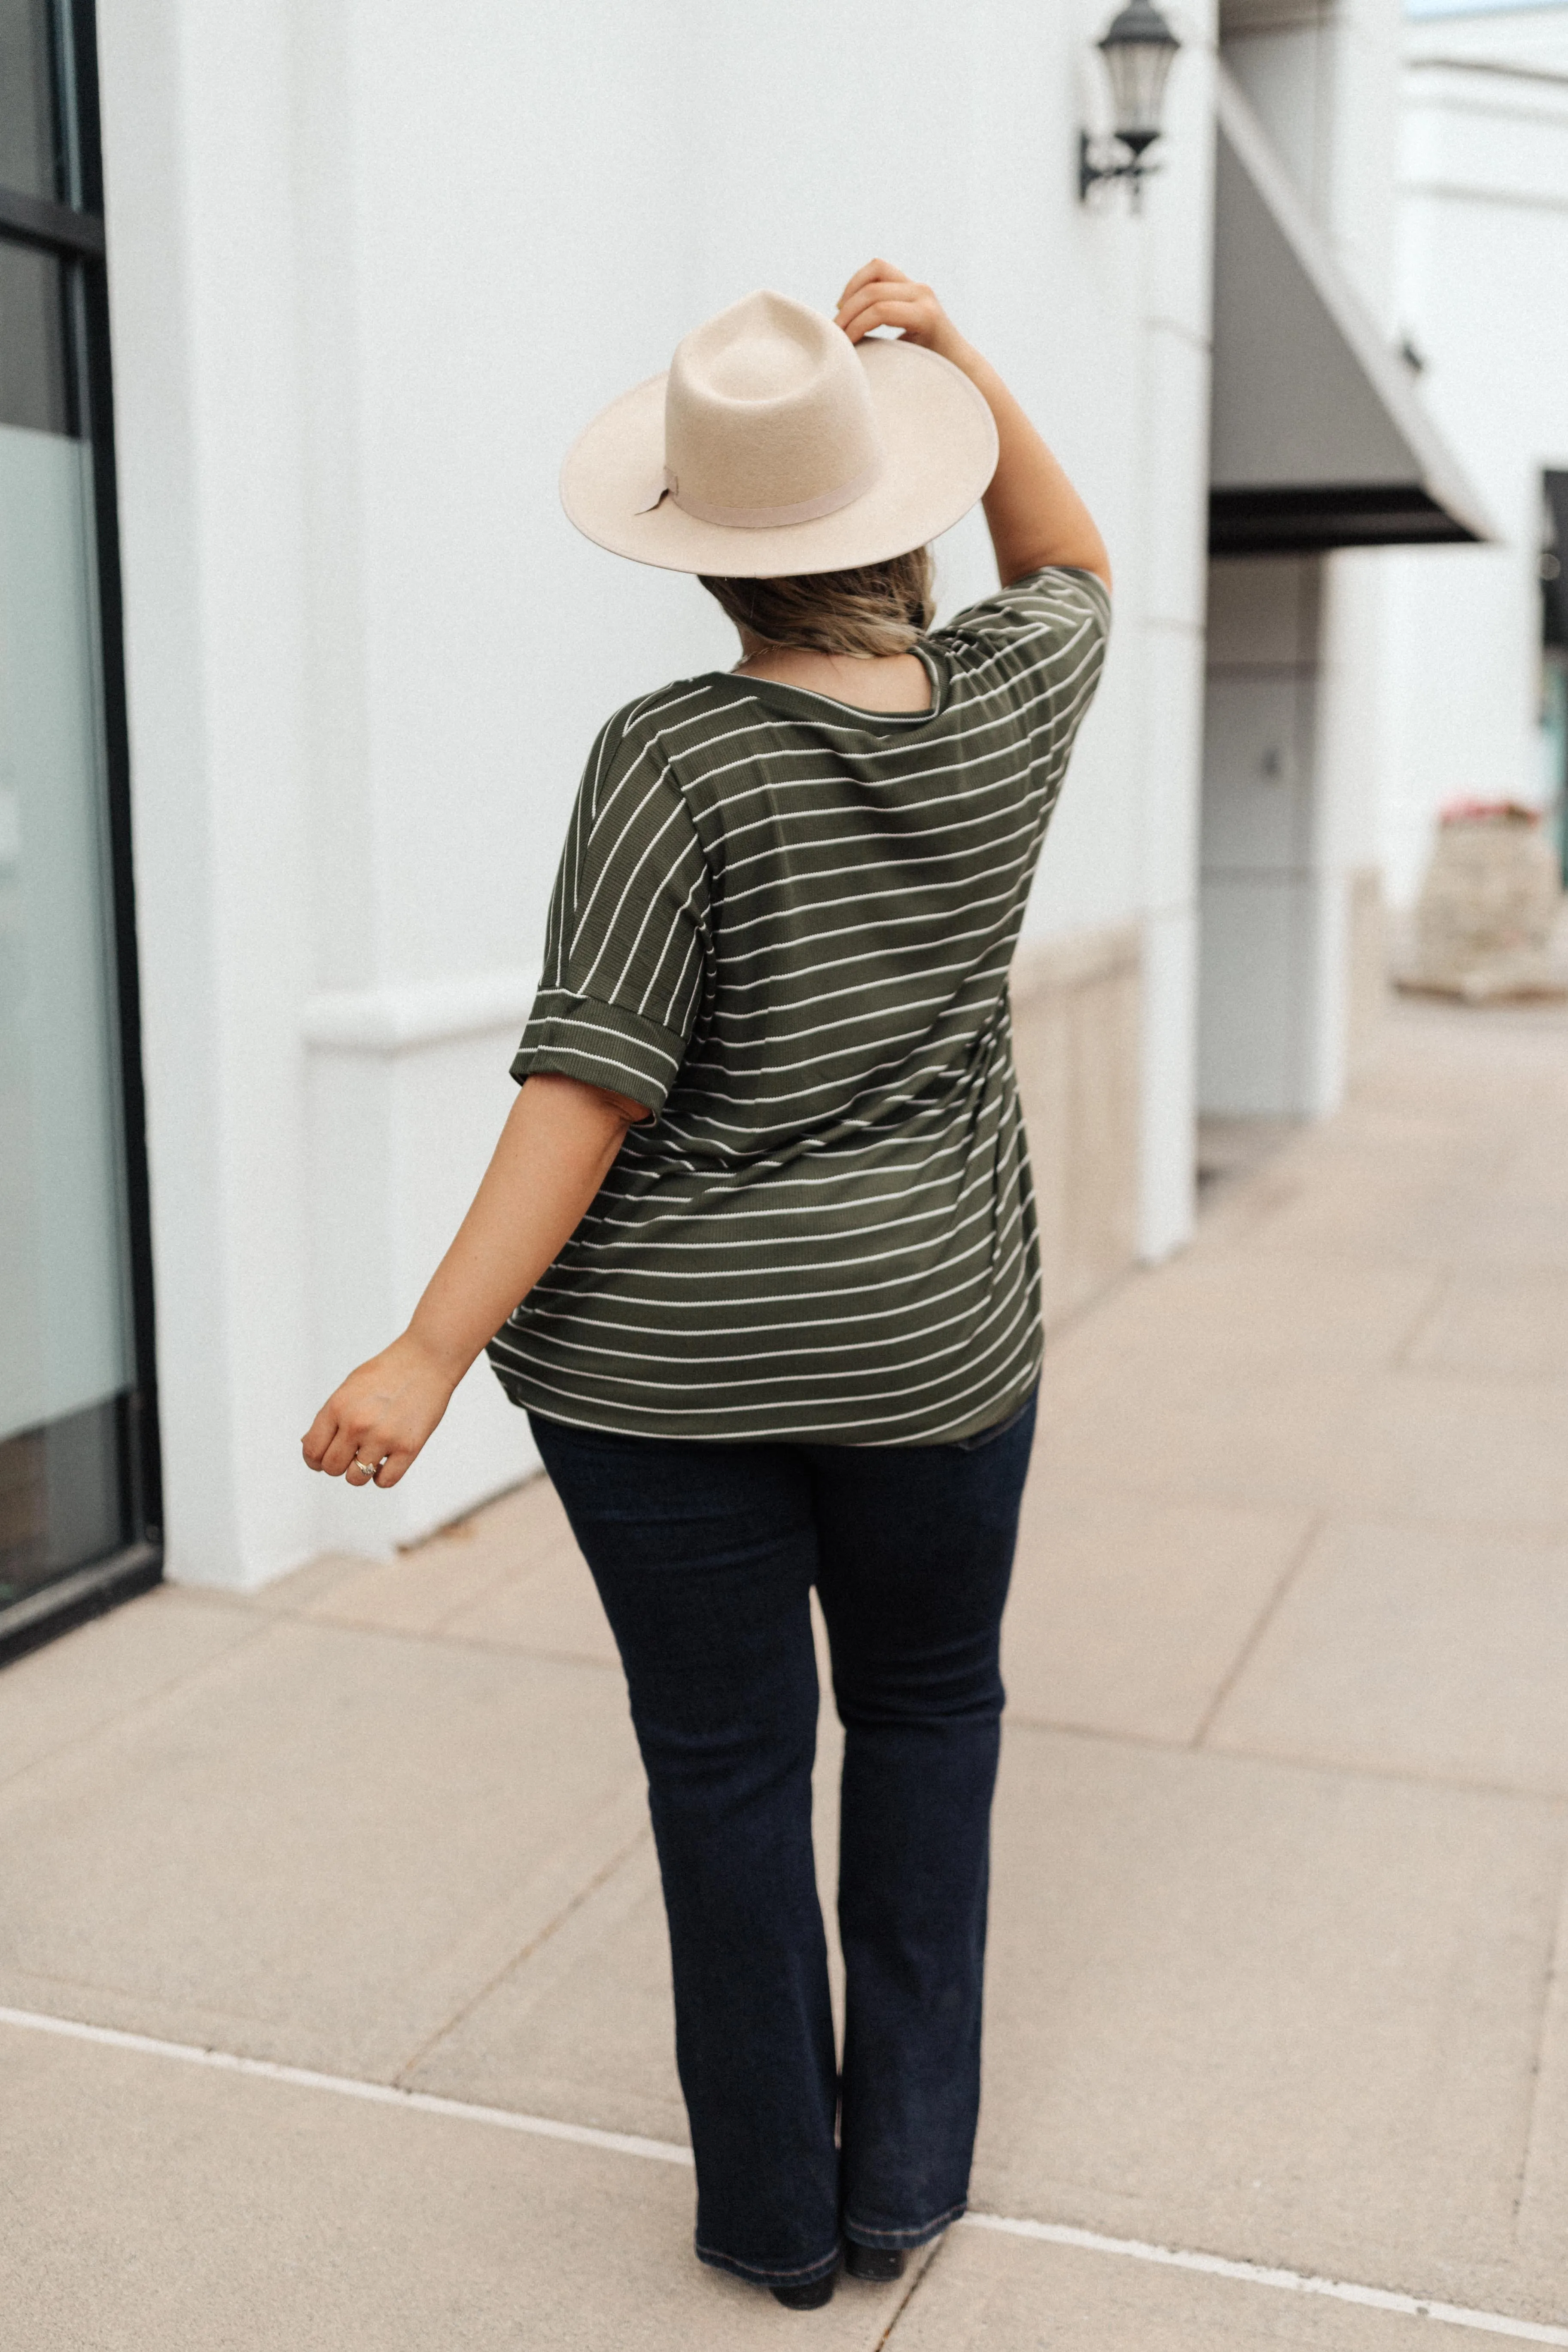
(603, 1044)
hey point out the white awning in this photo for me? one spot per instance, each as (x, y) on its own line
(1318, 438)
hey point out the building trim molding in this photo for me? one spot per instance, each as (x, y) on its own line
(405, 1016)
(401, 1016)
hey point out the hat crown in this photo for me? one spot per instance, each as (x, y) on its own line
(767, 407)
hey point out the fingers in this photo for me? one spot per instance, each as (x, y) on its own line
(318, 1437)
(353, 1440)
(357, 1450)
(877, 290)
(340, 1448)
(374, 1425)
(910, 316)
(362, 1465)
(880, 282)
(864, 276)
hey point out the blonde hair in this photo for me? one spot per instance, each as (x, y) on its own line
(880, 608)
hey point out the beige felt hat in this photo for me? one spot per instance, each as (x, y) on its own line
(775, 446)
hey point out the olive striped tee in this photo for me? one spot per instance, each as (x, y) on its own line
(785, 925)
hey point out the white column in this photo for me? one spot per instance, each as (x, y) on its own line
(196, 141)
(1174, 477)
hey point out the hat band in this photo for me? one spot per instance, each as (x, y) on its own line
(773, 517)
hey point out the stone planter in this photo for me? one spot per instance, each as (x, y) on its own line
(1488, 910)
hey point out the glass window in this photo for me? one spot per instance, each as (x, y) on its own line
(34, 385)
(72, 1433)
(31, 160)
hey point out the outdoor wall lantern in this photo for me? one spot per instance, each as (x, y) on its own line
(1139, 48)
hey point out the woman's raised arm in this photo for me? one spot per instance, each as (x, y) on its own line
(1035, 516)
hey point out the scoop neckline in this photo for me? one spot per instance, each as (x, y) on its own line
(767, 688)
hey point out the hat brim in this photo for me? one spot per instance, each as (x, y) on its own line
(939, 441)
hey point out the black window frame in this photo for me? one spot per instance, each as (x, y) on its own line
(74, 232)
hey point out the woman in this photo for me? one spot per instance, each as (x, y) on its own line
(764, 1199)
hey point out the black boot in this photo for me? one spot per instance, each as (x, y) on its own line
(880, 2263)
(808, 2298)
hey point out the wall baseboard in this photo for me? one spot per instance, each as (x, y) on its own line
(1077, 1017)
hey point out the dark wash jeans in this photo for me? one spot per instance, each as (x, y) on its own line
(704, 1554)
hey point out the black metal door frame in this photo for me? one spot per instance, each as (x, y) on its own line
(75, 233)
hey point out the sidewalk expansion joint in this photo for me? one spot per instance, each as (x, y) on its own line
(1553, 1800)
(661, 2151)
(552, 1926)
(1260, 1625)
(1370, 2298)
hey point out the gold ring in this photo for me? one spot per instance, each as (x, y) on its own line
(357, 1465)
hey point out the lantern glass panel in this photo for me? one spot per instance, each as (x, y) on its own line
(1138, 72)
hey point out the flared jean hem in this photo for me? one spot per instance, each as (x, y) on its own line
(805, 2276)
(920, 2235)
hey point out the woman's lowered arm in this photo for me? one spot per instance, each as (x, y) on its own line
(556, 1148)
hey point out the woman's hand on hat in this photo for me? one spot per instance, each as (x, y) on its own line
(881, 295)
(1035, 516)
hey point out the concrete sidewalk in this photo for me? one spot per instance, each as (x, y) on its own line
(1277, 1972)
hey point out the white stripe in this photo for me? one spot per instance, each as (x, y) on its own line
(877, 845)
(636, 1230)
(958, 646)
(856, 1088)
(934, 1260)
(680, 1207)
(600, 1061)
(933, 1250)
(879, 921)
(902, 859)
(896, 751)
(841, 1165)
(663, 2151)
(984, 960)
(850, 1135)
(607, 850)
(506, 1342)
(978, 1319)
(994, 931)
(979, 1313)
(788, 1330)
(698, 927)
(879, 1103)
(894, 756)
(987, 970)
(1006, 756)
(658, 901)
(819, 1428)
(1046, 733)
(721, 1060)
(1371, 2298)
(349, 2087)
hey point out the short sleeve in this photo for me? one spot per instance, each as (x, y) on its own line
(624, 947)
(1043, 640)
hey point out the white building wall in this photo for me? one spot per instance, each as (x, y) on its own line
(198, 112)
(1483, 263)
(1536, 33)
(369, 276)
(1323, 76)
(1161, 559)
(1296, 723)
